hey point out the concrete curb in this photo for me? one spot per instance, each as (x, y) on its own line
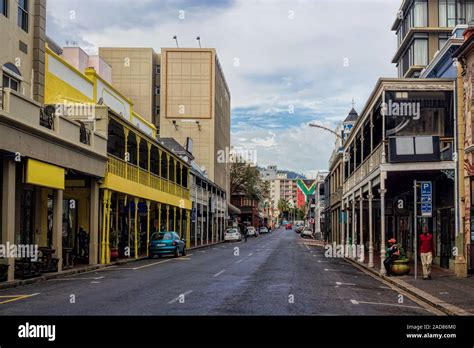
(85, 269)
(414, 291)
(21, 282)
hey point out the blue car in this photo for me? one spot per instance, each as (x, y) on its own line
(166, 243)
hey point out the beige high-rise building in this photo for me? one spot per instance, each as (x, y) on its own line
(22, 57)
(136, 74)
(186, 88)
(195, 104)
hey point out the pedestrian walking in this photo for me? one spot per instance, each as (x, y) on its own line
(426, 252)
(392, 254)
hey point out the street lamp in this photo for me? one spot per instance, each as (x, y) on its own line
(175, 38)
(199, 40)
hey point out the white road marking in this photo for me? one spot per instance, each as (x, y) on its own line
(202, 251)
(178, 298)
(219, 273)
(355, 302)
(152, 264)
(239, 261)
(385, 287)
(250, 254)
(331, 270)
(95, 282)
(350, 284)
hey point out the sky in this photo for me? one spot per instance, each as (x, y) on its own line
(288, 63)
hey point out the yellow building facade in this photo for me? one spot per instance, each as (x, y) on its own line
(145, 188)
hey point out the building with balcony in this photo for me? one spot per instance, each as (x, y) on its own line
(51, 165)
(145, 188)
(422, 28)
(333, 190)
(208, 215)
(404, 134)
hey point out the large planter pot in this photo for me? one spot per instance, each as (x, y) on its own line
(401, 267)
(114, 253)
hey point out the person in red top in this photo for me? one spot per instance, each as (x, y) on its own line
(426, 252)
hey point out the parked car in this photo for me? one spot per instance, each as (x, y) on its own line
(162, 243)
(263, 230)
(232, 234)
(289, 226)
(307, 233)
(299, 229)
(252, 232)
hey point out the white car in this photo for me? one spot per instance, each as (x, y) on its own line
(263, 230)
(252, 232)
(232, 234)
(307, 233)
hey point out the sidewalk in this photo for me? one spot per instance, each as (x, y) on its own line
(445, 291)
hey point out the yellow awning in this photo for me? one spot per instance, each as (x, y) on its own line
(44, 174)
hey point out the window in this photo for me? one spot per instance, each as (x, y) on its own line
(158, 69)
(10, 82)
(420, 14)
(469, 11)
(23, 14)
(454, 12)
(157, 90)
(4, 7)
(442, 39)
(420, 52)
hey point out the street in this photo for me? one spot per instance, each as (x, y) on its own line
(275, 274)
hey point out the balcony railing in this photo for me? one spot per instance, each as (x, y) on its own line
(370, 164)
(131, 172)
(28, 112)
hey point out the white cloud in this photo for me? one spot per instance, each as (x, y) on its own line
(283, 62)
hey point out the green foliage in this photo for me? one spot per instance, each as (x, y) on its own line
(245, 179)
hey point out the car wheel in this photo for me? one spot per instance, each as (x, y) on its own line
(176, 252)
(184, 251)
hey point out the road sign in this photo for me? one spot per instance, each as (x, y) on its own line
(426, 198)
(311, 221)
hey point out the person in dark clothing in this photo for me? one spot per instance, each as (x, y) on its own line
(392, 253)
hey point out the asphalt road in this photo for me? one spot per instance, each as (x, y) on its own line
(275, 274)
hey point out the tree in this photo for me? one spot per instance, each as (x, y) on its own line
(245, 179)
(283, 205)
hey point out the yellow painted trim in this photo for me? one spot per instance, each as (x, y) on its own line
(65, 62)
(93, 73)
(140, 117)
(44, 174)
(147, 227)
(107, 233)
(119, 184)
(136, 227)
(104, 223)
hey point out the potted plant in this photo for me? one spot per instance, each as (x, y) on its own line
(401, 266)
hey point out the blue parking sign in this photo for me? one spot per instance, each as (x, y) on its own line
(426, 198)
(426, 188)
